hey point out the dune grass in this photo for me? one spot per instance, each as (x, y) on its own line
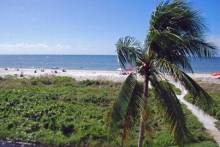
(59, 111)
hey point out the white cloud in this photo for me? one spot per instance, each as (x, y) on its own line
(79, 47)
(23, 46)
(33, 48)
(216, 41)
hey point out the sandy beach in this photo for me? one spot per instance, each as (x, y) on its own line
(90, 74)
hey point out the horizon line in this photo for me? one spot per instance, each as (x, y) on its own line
(67, 55)
(60, 54)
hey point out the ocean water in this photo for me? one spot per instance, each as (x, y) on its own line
(82, 62)
(88, 62)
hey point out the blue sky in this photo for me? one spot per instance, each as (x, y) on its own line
(83, 26)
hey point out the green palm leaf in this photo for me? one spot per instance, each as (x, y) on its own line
(127, 105)
(172, 107)
(192, 87)
(176, 33)
(199, 95)
(128, 50)
(134, 107)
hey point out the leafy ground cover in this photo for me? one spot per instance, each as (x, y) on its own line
(59, 111)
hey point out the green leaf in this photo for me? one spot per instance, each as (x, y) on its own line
(127, 105)
(128, 50)
(191, 86)
(172, 107)
(196, 91)
(177, 33)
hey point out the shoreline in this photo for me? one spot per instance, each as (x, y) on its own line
(80, 75)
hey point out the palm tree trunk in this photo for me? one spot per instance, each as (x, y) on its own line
(143, 113)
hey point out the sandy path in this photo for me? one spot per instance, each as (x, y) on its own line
(207, 120)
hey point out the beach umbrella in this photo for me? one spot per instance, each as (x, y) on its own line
(130, 69)
(215, 74)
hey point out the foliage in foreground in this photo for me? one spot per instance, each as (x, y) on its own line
(59, 111)
(214, 91)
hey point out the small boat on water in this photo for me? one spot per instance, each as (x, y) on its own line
(215, 74)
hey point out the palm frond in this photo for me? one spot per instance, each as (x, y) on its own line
(197, 47)
(133, 110)
(128, 50)
(177, 33)
(127, 105)
(168, 46)
(192, 87)
(199, 95)
(173, 110)
(179, 17)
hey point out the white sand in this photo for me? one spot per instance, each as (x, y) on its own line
(77, 74)
(91, 74)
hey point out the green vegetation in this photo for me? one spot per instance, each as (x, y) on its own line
(214, 91)
(214, 110)
(210, 87)
(60, 111)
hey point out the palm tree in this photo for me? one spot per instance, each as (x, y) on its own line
(176, 33)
